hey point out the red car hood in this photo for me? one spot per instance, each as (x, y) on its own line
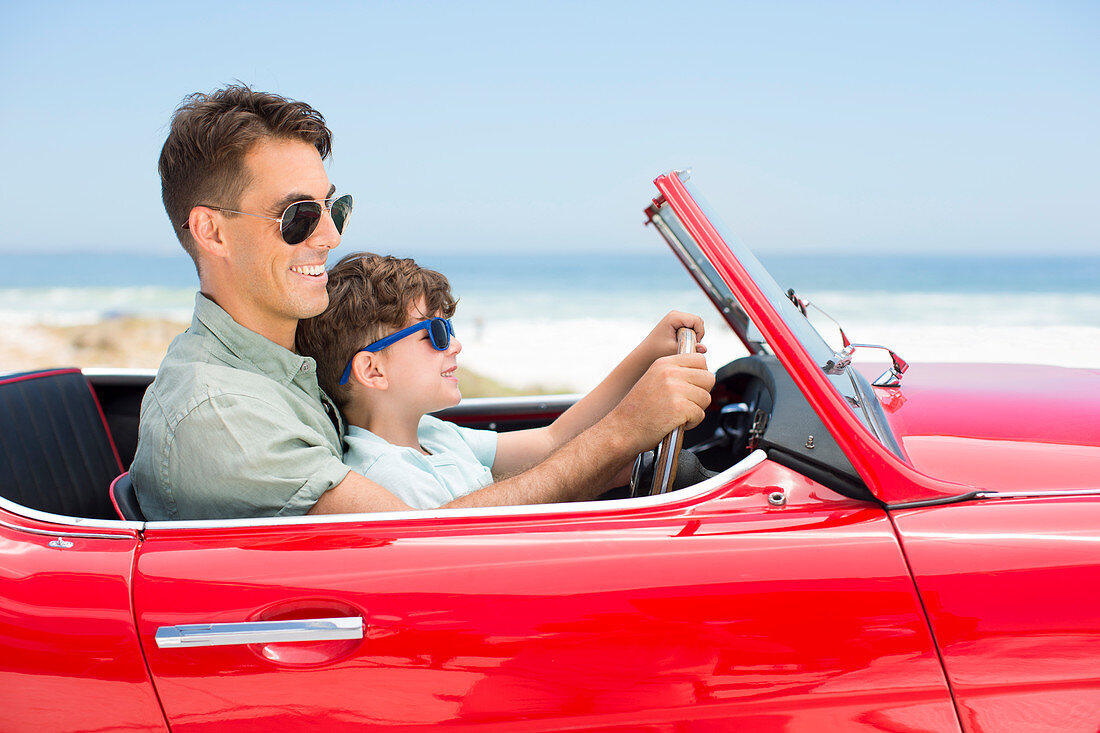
(998, 426)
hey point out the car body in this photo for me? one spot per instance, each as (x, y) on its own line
(917, 556)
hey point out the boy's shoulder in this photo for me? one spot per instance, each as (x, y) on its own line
(439, 436)
(432, 427)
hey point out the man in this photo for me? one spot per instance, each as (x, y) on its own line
(235, 424)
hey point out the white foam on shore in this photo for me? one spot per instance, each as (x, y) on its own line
(570, 339)
(575, 354)
(977, 309)
(80, 306)
(571, 355)
(518, 346)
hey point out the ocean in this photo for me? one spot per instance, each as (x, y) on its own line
(563, 320)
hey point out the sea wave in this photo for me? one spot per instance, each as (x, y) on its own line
(577, 343)
(577, 353)
(976, 308)
(572, 338)
(74, 306)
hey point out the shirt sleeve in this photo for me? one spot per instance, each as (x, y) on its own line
(240, 456)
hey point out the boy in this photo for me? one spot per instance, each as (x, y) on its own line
(387, 355)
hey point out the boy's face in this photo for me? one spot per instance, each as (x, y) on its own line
(420, 377)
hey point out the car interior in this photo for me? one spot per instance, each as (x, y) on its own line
(70, 435)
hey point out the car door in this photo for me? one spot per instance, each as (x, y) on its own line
(687, 610)
(1010, 585)
(69, 653)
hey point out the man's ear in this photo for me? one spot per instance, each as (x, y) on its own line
(369, 370)
(206, 230)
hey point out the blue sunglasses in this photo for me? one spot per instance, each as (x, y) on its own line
(439, 331)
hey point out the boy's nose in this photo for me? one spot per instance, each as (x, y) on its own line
(455, 346)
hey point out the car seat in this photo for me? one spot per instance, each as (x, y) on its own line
(124, 498)
(57, 454)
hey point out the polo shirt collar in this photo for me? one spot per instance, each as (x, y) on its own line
(250, 347)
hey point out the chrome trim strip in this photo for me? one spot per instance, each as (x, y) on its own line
(259, 632)
(81, 522)
(59, 533)
(101, 372)
(538, 401)
(739, 469)
(1034, 494)
(983, 495)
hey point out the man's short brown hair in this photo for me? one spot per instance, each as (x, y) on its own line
(202, 161)
(369, 297)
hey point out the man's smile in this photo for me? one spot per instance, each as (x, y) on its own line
(310, 270)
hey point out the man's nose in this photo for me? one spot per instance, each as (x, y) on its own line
(326, 236)
(455, 346)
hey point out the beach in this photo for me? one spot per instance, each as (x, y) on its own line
(127, 342)
(559, 323)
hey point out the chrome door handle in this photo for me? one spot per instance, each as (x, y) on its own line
(259, 632)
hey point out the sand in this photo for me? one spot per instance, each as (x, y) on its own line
(117, 342)
(140, 343)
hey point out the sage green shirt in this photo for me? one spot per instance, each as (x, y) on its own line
(234, 426)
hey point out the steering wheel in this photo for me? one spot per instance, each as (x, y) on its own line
(668, 450)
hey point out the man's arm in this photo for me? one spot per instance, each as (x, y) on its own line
(520, 449)
(674, 391)
(357, 493)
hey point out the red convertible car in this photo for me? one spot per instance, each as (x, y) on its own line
(840, 550)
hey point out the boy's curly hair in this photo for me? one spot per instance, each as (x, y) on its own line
(369, 297)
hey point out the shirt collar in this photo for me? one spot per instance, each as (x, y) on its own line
(266, 356)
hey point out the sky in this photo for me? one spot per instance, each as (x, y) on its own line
(939, 127)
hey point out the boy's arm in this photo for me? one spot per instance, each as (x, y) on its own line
(521, 449)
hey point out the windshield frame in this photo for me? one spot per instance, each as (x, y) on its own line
(866, 441)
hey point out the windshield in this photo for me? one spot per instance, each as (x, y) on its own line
(849, 383)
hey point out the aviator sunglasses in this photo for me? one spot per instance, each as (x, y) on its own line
(300, 219)
(439, 331)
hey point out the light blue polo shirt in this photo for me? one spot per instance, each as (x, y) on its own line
(460, 462)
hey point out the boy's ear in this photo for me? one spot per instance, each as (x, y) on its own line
(368, 370)
(206, 231)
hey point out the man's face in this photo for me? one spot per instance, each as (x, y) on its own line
(277, 284)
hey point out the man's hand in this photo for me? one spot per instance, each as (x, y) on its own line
(661, 341)
(674, 391)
